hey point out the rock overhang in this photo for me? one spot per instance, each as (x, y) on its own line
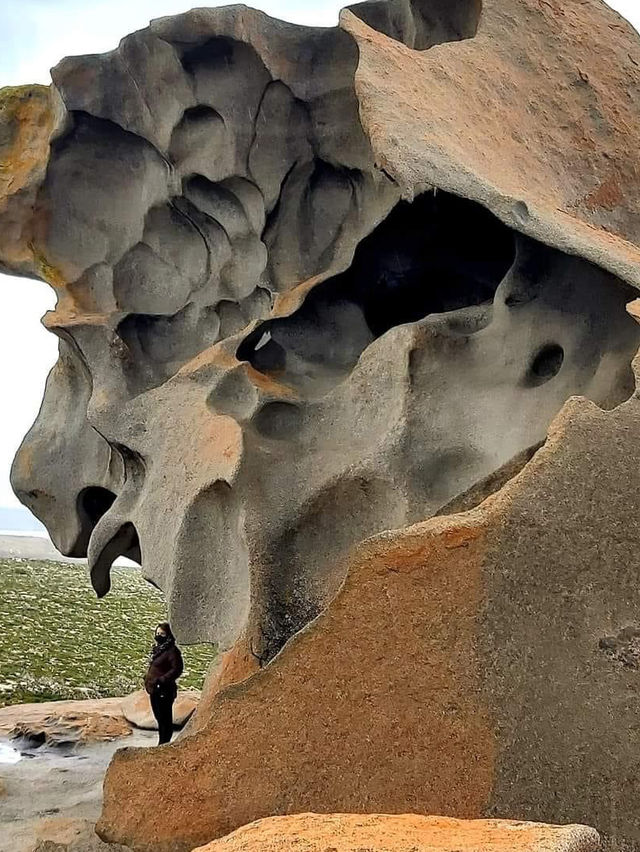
(351, 277)
(149, 318)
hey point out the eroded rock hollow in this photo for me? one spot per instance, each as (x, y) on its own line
(314, 285)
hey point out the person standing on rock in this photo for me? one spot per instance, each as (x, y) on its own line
(165, 667)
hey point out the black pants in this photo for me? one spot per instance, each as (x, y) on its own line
(162, 699)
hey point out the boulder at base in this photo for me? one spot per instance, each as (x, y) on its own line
(62, 722)
(406, 833)
(65, 835)
(136, 709)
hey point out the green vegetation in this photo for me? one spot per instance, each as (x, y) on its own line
(57, 641)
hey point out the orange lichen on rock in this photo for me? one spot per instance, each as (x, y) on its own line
(235, 666)
(27, 122)
(315, 285)
(403, 833)
(607, 196)
(523, 117)
(447, 676)
(355, 707)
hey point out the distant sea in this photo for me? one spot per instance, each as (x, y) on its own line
(25, 533)
(23, 537)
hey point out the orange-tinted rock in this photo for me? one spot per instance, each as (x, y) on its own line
(136, 709)
(633, 309)
(536, 116)
(338, 719)
(458, 671)
(459, 666)
(54, 722)
(160, 369)
(406, 833)
(234, 666)
(28, 117)
(58, 834)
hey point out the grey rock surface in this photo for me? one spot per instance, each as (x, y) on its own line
(266, 355)
(314, 285)
(55, 797)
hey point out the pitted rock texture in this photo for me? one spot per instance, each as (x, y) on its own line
(314, 285)
(284, 329)
(407, 833)
(458, 671)
(534, 116)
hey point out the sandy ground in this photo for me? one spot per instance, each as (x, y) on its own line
(54, 783)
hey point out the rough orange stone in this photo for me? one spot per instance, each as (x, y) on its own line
(458, 671)
(405, 833)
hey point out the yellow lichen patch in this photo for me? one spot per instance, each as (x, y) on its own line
(67, 311)
(45, 270)
(27, 120)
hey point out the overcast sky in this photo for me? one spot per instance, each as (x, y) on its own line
(34, 36)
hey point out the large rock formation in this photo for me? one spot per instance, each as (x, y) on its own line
(318, 284)
(465, 668)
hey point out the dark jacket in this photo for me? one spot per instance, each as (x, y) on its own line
(164, 669)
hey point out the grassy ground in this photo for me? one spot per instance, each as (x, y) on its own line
(57, 641)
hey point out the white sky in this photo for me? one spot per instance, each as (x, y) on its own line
(34, 36)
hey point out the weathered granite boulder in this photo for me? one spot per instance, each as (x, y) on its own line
(408, 833)
(318, 284)
(65, 722)
(90, 720)
(57, 834)
(460, 670)
(265, 354)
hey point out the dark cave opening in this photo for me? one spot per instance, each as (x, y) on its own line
(421, 24)
(439, 254)
(91, 504)
(546, 365)
(95, 502)
(435, 255)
